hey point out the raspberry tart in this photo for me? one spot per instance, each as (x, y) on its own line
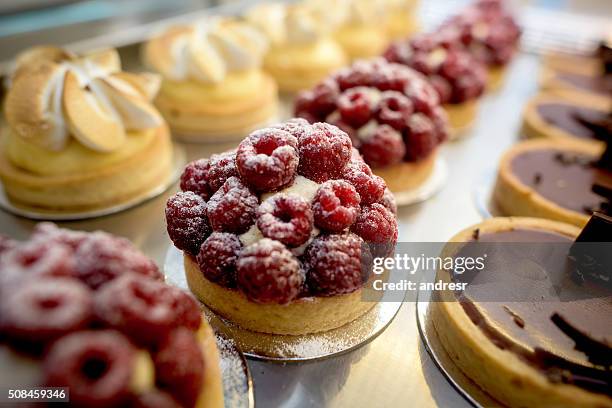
(457, 76)
(89, 312)
(81, 134)
(489, 32)
(392, 114)
(214, 87)
(302, 50)
(278, 235)
(531, 330)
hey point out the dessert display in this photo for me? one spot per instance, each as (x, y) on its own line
(401, 18)
(362, 27)
(552, 117)
(531, 331)
(89, 312)
(392, 114)
(302, 50)
(278, 235)
(456, 75)
(489, 32)
(554, 179)
(80, 133)
(213, 86)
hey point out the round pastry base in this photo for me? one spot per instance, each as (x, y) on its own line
(466, 387)
(237, 381)
(178, 163)
(461, 118)
(430, 187)
(285, 348)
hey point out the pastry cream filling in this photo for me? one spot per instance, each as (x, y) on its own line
(236, 86)
(324, 54)
(74, 157)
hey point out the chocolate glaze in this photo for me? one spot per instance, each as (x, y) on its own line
(569, 337)
(563, 178)
(595, 84)
(571, 118)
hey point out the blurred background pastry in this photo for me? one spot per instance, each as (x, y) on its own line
(402, 18)
(213, 87)
(302, 50)
(80, 133)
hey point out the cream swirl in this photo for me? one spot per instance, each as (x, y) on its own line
(290, 24)
(88, 97)
(206, 51)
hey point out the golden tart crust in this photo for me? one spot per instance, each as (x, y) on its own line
(406, 176)
(198, 117)
(516, 199)
(501, 373)
(93, 189)
(461, 117)
(552, 81)
(534, 126)
(302, 316)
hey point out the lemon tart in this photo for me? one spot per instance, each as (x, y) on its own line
(213, 88)
(302, 50)
(81, 134)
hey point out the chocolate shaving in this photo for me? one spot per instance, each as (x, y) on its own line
(591, 250)
(597, 352)
(476, 234)
(537, 178)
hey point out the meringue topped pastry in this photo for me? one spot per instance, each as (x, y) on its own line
(302, 50)
(81, 134)
(531, 329)
(278, 235)
(392, 114)
(91, 313)
(213, 84)
(456, 75)
(490, 33)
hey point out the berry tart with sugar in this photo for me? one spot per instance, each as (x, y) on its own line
(89, 312)
(278, 235)
(392, 114)
(490, 33)
(458, 77)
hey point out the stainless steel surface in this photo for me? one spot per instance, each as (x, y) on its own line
(394, 369)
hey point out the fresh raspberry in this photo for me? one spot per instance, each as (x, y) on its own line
(295, 126)
(186, 221)
(267, 159)
(286, 218)
(334, 264)
(218, 256)
(318, 102)
(222, 166)
(104, 257)
(356, 156)
(179, 366)
(269, 273)
(359, 74)
(96, 366)
(423, 96)
(442, 87)
(324, 152)
(335, 206)
(388, 201)
(194, 178)
(41, 310)
(369, 186)
(384, 148)
(421, 138)
(36, 258)
(355, 106)
(336, 120)
(394, 109)
(378, 227)
(232, 208)
(47, 231)
(440, 122)
(154, 399)
(145, 310)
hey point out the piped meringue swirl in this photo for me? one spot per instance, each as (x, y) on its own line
(206, 51)
(54, 95)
